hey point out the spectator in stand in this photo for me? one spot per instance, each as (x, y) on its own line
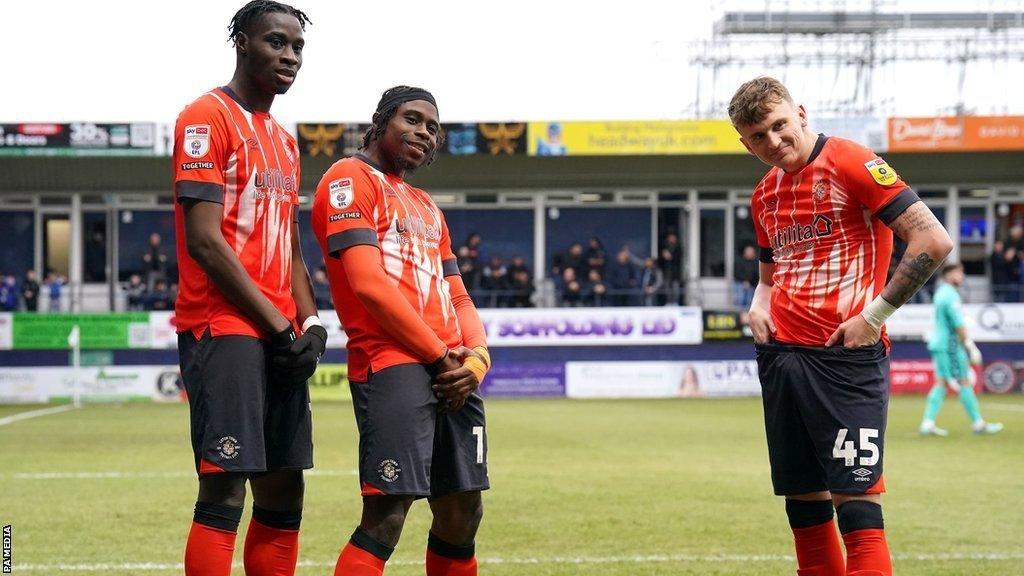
(30, 291)
(521, 289)
(1011, 261)
(53, 284)
(475, 249)
(8, 294)
(999, 275)
(1016, 240)
(745, 277)
(495, 283)
(135, 291)
(623, 280)
(570, 289)
(154, 261)
(597, 258)
(94, 253)
(572, 258)
(1018, 277)
(518, 264)
(652, 281)
(670, 260)
(160, 298)
(322, 290)
(468, 258)
(595, 293)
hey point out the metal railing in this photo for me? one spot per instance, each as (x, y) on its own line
(544, 294)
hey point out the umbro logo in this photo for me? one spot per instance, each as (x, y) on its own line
(862, 474)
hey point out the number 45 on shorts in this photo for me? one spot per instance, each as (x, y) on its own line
(848, 451)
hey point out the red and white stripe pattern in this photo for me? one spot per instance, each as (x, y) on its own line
(830, 254)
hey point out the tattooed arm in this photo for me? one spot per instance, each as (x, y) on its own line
(928, 244)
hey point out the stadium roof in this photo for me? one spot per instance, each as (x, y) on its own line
(506, 173)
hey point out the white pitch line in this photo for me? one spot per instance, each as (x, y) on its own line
(644, 559)
(1006, 407)
(131, 475)
(34, 413)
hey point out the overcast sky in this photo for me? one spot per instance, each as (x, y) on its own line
(120, 60)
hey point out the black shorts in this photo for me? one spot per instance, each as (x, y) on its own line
(242, 421)
(407, 447)
(824, 415)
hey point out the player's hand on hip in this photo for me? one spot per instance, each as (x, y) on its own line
(761, 325)
(295, 364)
(854, 333)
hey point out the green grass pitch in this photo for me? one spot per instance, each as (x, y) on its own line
(599, 488)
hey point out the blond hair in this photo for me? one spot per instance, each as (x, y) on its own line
(754, 98)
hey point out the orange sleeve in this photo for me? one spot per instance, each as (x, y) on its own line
(387, 305)
(873, 182)
(202, 150)
(472, 328)
(345, 208)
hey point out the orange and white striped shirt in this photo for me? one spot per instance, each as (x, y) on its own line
(825, 229)
(226, 153)
(357, 203)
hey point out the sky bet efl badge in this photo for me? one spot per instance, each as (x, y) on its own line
(197, 140)
(341, 193)
(881, 172)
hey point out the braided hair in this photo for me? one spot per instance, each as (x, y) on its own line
(383, 116)
(250, 13)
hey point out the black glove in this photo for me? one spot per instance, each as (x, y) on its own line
(293, 363)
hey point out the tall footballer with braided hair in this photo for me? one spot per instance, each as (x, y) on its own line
(248, 332)
(417, 350)
(824, 216)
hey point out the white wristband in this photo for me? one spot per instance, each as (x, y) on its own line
(877, 311)
(313, 320)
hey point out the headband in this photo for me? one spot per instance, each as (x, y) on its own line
(388, 100)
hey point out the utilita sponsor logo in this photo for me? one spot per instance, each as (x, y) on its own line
(794, 233)
(416, 226)
(931, 129)
(274, 178)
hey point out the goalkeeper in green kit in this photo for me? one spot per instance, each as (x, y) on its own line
(953, 354)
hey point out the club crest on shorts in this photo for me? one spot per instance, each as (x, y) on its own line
(197, 140)
(341, 193)
(228, 447)
(389, 470)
